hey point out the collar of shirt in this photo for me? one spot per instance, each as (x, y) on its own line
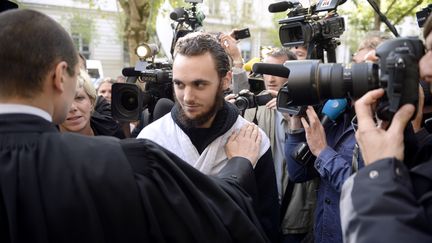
(24, 109)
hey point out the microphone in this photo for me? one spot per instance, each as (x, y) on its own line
(130, 72)
(280, 6)
(248, 66)
(332, 110)
(271, 69)
(162, 107)
(177, 13)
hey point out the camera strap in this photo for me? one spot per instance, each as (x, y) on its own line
(355, 159)
(286, 199)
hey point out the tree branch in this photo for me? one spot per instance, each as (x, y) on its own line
(390, 7)
(408, 11)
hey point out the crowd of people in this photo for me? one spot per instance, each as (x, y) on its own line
(205, 171)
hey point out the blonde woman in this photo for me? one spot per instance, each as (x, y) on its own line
(82, 117)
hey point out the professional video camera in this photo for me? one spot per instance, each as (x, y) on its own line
(245, 99)
(308, 27)
(188, 20)
(311, 82)
(128, 101)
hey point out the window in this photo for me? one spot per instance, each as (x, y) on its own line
(247, 9)
(82, 45)
(214, 7)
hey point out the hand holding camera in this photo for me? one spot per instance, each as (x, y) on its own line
(375, 142)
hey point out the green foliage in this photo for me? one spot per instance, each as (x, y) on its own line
(360, 18)
(83, 25)
(361, 15)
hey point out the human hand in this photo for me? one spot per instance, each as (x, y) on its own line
(315, 134)
(272, 104)
(375, 142)
(230, 98)
(230, 45)
(244, 143)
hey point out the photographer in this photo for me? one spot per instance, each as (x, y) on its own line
(386, 202)
(333, 147)
(297, 199)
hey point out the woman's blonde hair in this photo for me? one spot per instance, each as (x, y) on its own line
(85, 83)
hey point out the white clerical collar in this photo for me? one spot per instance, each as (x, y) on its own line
(24, 109)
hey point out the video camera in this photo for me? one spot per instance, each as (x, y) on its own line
(128, 100)
(188, 20)
(306, 27)
(311, 82)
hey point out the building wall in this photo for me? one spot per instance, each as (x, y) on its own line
(106, 45)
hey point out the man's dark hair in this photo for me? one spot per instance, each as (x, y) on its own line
(31, 44)
(278, 52)
(198, 43)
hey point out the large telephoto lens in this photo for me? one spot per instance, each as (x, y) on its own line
(311, 82)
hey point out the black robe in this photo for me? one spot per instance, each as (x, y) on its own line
(64, 187)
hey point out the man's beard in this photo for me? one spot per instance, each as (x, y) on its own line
(202, 118)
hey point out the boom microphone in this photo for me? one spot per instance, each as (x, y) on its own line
(162, 107)
(271, 69)
(177, 13)
(130, 72)
(280, 6)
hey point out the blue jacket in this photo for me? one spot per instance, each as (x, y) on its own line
(333, 166)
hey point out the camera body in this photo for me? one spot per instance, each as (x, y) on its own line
(128, 100)
(304, 26)
(423, 14)
(311, 82)
(242, 34)
(246, 99)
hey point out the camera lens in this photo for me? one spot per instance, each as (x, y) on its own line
(364, 77)
(242, 103)
(311, 82)
(126, 102)
(129, 100)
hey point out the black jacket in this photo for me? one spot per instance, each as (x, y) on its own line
(385, 202)
(64, 187)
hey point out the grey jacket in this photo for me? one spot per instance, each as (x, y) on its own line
(299, 215)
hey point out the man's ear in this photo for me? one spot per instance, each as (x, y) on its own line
(60, 73)
(227, 80)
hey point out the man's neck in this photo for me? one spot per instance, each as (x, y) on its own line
(42, 104)
(208, 123)
(34, 102)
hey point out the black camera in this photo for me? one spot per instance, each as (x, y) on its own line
(311, 82)
(423, 14)
(304, 25)
(128, 100)
(246, 99)
(188, 20)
